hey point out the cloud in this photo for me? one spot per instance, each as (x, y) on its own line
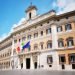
(19, 23)
(4, 36)
(64, 6)
(14, 25)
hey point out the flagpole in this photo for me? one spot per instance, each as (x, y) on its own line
(31, 3)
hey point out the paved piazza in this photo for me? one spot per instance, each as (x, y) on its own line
(36, 72)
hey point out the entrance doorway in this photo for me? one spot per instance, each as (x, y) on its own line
(21, 65)
(28, 63)
(63, 66)
(73, 66)
(35, 65)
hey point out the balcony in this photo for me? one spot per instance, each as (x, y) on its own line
(29, 52)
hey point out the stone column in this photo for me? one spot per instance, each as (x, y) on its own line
(54, 37)
(38, 61)
(19, 66)
(24, 63)
(32, 63)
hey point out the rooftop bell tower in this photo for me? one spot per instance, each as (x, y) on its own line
(31, 11)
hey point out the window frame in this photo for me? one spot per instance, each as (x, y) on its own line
(41, 33)
(49, 45)
(60, 61)
(23, 38)
(70, 42)
(48, 31)
(60, 42)
(71, 60)
(15, 41)
(35, 35)
(68, 27)
(29, 37)
(49, 59)
(59, 29)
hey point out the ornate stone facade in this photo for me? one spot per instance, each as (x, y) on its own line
(52, 42)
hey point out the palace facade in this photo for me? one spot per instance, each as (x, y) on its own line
(52, 42)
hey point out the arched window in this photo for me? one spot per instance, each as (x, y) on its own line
(60, 42)
(35, 35)
(41, 33)
(30, 15)
(14, 51)
(41, 45)
(49, 44)
(35, 46)
(70, 41)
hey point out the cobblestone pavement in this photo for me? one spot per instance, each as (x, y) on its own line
(36, 72)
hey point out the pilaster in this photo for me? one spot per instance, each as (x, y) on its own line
(32, 63)
(54, 37)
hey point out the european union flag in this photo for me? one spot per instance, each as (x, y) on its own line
(27, 45)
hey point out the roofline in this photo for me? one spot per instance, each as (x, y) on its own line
(54, 17)
(30, 8)
(66, 14)
(39, 21)
(9, 36)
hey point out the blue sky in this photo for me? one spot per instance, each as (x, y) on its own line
(12, 12)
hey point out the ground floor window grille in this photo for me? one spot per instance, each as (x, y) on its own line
(49, 59)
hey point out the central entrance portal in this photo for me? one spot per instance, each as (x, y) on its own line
(27, 63)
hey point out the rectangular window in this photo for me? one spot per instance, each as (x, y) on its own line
(62, 59)
(49, 59)
(41, 33)
(35, 35)
(23, 38)
(19, 40)
(29, 37)
(68, 27)
(59, 29)
(48, 31)
(60, 44)
(72, 58)
(49, 45)
(15, 41)
(41, 46)
(70, 43)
